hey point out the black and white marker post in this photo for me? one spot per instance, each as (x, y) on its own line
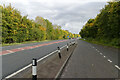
(67, 46)
(59, 52)
(74, 42)
(70, 43)
(34, 69)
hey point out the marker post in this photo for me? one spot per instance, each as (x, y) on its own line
(59, 54)
(67, 47)
(34, 69)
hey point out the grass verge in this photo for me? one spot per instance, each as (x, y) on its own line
(99, 43)
(27, 42)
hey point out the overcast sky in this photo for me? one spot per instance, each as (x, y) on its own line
(69, 14)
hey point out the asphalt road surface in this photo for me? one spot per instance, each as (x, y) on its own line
(19, 56)
(92, 61)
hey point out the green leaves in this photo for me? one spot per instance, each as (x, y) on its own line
(106, 26)
(17, 28)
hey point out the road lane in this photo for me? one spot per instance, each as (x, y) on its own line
(109, 52)
(87, 62)
(15, 61)
(13, 50)
(27, 44)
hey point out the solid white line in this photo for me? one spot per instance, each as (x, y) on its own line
(63, 47)
(109, 60)
(117, 67)
(30, 64)
(46, 56)
(18, 71)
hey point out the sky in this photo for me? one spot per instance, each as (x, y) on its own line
(69, 14)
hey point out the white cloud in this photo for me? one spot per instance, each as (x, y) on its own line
(70, 14)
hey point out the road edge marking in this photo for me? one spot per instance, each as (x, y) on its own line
(22, 48)
(13, 74)
(117, 67)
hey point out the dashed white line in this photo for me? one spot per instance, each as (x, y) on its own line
(22, 49)
(101, 53)
(117, 67)
(104, 56)
(19, 48)
(109, 60)
(10, 51)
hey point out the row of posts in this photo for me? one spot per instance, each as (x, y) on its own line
(34, 62)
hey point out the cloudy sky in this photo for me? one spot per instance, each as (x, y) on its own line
(70, 14)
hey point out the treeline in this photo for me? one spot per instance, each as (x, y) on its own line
(105, 28)
(17, 28)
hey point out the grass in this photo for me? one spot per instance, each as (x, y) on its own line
(27, 42)
(100, 43)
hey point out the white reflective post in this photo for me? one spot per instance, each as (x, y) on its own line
(34, 69)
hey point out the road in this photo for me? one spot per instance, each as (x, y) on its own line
(21, 55)
(88, 60)
(92, 61)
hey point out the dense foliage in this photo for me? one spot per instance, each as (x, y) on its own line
(17, 28)
(105, 28)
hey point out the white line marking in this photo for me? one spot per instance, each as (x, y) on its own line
(109, 60)
(101, 53)
(63, 47)
(6, 54)
(22, 49)
(117, 67)
(104, 56)
(18, 71)
(19, 48)
(46, 56)
(13, 74)
(10, 51)
(28, 49)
